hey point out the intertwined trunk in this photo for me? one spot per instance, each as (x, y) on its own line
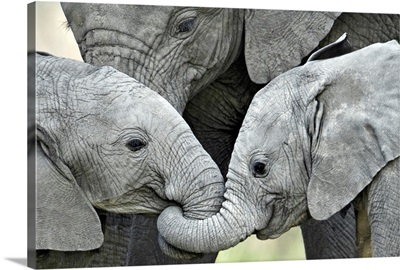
(232, 224)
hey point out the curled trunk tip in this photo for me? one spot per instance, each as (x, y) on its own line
(174, 252)
(218, 232)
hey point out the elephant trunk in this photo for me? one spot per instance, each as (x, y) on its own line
(194, 181)
(204, 196)
(232, 224)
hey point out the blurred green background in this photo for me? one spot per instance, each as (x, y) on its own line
(287, 247)
(53, 37)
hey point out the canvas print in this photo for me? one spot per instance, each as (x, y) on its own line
(192, 135)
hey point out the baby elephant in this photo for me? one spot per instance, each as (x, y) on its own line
(106, 141)
(314, 140)
(322, 135)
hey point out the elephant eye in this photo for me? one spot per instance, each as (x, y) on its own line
(135, 145)
(260, 168)
(186, 26)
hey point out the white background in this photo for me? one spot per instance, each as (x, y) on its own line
(13, 141)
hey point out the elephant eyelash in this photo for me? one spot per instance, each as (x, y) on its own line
(66, 25)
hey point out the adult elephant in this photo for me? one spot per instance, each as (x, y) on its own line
(105, 142)
(209, 62)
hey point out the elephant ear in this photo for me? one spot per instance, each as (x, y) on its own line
(278, 40)
(356, 129)
(335, 49)
(65, 220)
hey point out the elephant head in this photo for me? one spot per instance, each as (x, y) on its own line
(177, 51)
(311, 141)
(106, 141)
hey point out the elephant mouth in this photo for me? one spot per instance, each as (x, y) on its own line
(140, 201)
(268, 233)
(264, 234)
(281, 219)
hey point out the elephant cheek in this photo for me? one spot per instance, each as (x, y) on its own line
(284, 214)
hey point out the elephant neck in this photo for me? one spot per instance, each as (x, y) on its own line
(236, 77)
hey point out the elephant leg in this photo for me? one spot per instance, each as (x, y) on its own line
(333, 238)
(384, 211)
(46, 259)
(216, 113)
(113, 251)
(132, 240)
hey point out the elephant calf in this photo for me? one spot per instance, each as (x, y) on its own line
(314, 140)
(105, 141)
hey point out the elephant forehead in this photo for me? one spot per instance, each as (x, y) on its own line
(267, 112)
(274, 97)
(262, 139)
(144, 101)
(106, 110)
(108, 91)
(138, 108)
(266, 126)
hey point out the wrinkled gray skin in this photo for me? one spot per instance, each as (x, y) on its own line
(312, 140)
(208, 63)
(105, 141)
